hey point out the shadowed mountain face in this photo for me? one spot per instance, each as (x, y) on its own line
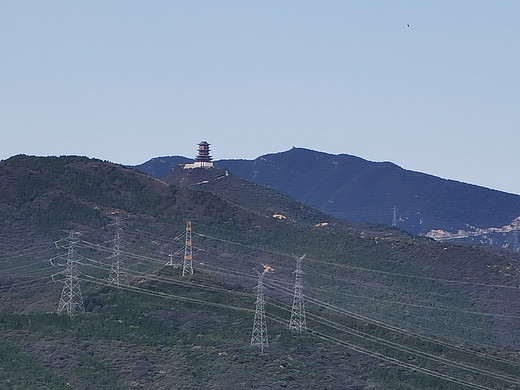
(354, 189)
(254, 197)
(158, 167)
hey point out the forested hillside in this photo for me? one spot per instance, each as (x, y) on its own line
(384, 309)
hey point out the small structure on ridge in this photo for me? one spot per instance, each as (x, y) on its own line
(203, 159)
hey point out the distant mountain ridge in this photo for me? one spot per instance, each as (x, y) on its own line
(355, 189)
(159, 167)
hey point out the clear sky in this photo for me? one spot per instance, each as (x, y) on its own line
(127, 81)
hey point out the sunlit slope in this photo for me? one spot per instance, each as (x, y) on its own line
(383, 309)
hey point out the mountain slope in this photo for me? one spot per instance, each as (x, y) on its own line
(160, 166)
(384, 309)
(354, 189)
(253, 197)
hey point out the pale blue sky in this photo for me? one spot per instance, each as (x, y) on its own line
(128, 80)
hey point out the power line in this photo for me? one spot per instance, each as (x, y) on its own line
(409, 366)
(118, 275)
(187, 267)
(71, 299)
(356, 348)
(363, 269)
(298, 322)
(437, 308)
(395, 329)
(372, 338)
(436, 340)
(26, 282)
(392, 344)
(227, 272)
(259, 337)
(171, 262)
(328, 263)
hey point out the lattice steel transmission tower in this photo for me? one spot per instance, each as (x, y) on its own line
(118, 275)
(259, 336)
(71, 299)
(516, 247)
(298, 322)
(394, 217)
(170, 262)
(187, 267)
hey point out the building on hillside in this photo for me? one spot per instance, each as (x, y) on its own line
(203, 159)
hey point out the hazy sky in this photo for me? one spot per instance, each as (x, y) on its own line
(129, 80)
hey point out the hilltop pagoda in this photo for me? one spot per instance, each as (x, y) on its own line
(203, 158)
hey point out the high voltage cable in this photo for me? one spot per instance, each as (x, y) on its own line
(321, 304)
(92, 279)
(27, 282)
(225, 271)
(320, 319)
(398, 346)
(395, 361)
(182, 298)
(400, 363)
(413, 351)
(126, 253)
(165, 239)
(398, 330)
(325, 321)
(272, 285)
(376, 299)
(152, 276)
(380, 356)
(21, 266)
(154, 235)
(12, 256)
(388, 326)
(402, 348)
(341, 342)
(158, 261)
(366, 269)
(323, 262)
(460, 340)
(341, 310)
(341, 327)
(438, 308)
(245, 235)
(396, 302)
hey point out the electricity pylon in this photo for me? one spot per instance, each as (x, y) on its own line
(394, 218)
(298, 322)
(170, 262)
(118, 275)
(187, 267)
(71, 299)
(516, 247)
(259, 336)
